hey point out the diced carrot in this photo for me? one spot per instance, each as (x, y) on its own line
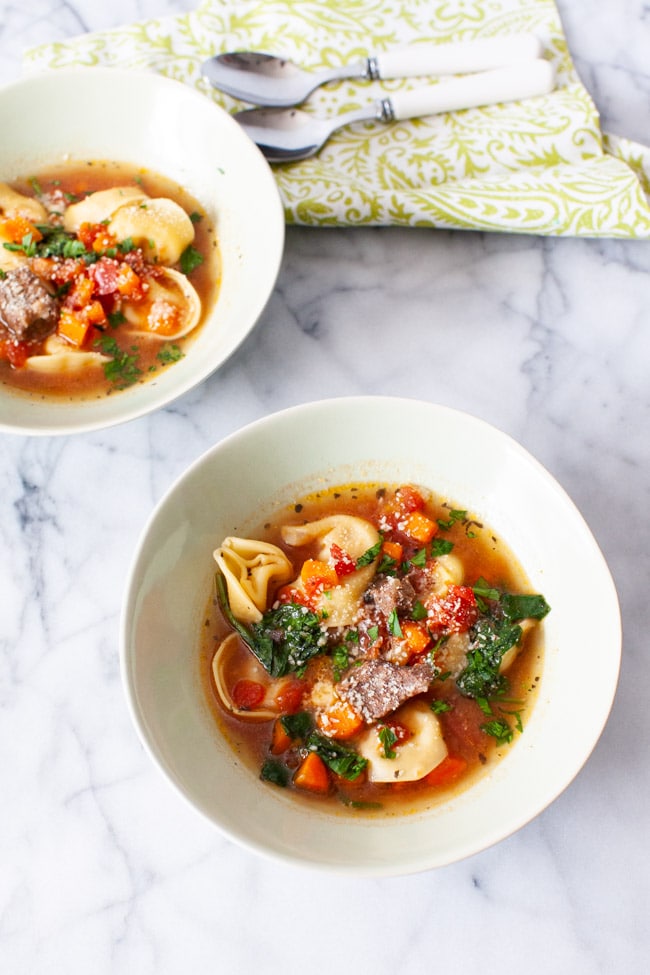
(17, 228)
(103, 242)
(81, 292)
(128, 282)
(312, 775)
(449, 769)
(280, 740)
(416, 635)
(248, 694)
(317, 576)
(339, 720)
(393, 550)
(163, 317)
(72, 326)
(420, 527)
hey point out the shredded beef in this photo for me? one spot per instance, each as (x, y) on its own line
(28, 311)
(388, 593)
(377, 687)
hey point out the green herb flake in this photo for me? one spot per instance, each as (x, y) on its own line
(500, 730)
(369, 555)
(122, 370)
(393, 624)
(387, 737)
(340, 661)
(439, 707)
(419, 611)
(169, 353)
(419, 558)
(373, 633)
(440, 546)
(190, 260)
(455, 515)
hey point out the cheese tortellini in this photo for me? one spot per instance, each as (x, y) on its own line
(251, 568)
(158, 225)
(414, 758)
(14, 204)
(227, 670)
(60, 358)
(354, 536)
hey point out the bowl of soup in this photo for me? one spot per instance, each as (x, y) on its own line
(141, 233)
(352, 636)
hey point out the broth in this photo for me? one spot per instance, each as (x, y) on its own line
(474, 729)
(129, 358)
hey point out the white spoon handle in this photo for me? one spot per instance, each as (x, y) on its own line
(458, 57)
(524, 80)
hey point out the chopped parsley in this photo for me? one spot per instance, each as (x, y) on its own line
(500, 730)
(455, 515)
(440, 546)
(122, 370)
(369, 555)
(439, 707)
(169, 353)
(387, 737)
(340, 661)
(190, 260)
(393, 624)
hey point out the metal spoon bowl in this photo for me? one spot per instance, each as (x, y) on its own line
(288, 135)
(267, 80)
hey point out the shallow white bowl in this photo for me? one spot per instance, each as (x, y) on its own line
(278, 459)
(143, 118)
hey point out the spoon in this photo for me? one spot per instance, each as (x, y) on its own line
(289, 134)
(268, 80)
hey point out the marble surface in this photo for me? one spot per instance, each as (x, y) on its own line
(102, 867)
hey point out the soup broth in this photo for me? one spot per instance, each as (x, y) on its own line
(373, 648)
(126, 281)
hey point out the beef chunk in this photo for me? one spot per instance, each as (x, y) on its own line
(28, 311)
(377, 687)
(389, 593)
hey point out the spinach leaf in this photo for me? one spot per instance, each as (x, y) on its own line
(297, 725)
(283, 640)
(275, 772)
(524, 607)
(343, 761)
(490, 640)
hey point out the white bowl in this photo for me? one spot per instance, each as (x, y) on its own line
(338, 441)
(143, 118)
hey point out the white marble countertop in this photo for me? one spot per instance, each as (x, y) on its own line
(102, 867)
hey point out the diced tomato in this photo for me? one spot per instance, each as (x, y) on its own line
(15, 353)
(248, 694)
(104, 273)
(343, 563)
(289, 594)
(406, 500)
(289, 697)
(454, 612)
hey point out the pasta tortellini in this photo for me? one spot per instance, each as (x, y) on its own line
(171, 310)
(14, 204)
(416, 757)
(100, 206)
(227, 670)
(354, 536)
(251, 568)
(160, 227)
(59, 357)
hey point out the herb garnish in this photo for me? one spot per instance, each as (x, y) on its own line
(169, 353)
(122, 369)
(369, 555)
(455, 514)
(500, 730)
(275, 772)
(190, 260)
(387, 737)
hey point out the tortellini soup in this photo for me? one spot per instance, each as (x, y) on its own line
(373, 647)
(107, 272)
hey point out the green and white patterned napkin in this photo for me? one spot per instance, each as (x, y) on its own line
(540, 166)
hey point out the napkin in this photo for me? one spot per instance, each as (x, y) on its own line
(538, 166)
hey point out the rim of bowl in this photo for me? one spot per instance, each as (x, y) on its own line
(154, 398)
(405, 866)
